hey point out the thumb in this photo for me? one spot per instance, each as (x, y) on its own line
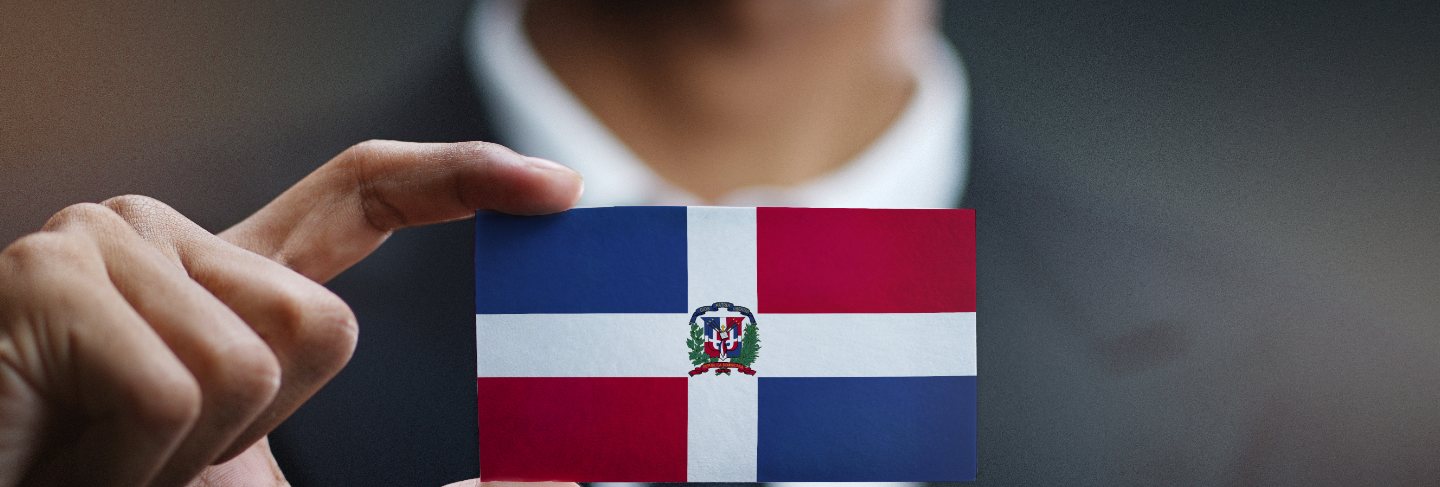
(341, 212)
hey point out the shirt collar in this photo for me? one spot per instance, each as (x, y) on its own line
(920, 161)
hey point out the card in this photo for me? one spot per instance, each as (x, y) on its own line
(702, 344)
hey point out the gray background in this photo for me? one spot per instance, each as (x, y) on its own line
(1305, 136)
(1316, 122)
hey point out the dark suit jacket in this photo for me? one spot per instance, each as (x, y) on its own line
(1146, 314)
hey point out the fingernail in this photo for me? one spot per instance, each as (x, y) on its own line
(546, 164)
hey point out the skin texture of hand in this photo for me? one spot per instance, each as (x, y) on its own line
(136, 348)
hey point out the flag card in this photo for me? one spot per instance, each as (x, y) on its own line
(704, 344)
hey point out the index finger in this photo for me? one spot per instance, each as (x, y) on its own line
(341, 212)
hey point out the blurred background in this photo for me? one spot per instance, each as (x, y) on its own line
(1309, 130)
(185, 102)
(1319, 121)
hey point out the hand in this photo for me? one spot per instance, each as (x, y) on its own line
(137, 348)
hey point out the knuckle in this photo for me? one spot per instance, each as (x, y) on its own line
(321, 324)
(47, 248)
(40, 246)
(357, 166)
(370, 144)
(148, 216)
(49, 271)
(482, 150)
(244, 375)
(131, 206)
(84, 214)
(166, 401)
(363, 151)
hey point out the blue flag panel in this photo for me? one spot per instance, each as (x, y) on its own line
(866, 429)
(588, 260)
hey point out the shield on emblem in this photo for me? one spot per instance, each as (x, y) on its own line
(723, 335)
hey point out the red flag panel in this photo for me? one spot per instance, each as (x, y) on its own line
(822, 260)
(583, 428)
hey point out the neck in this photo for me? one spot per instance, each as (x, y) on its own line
(716, 96)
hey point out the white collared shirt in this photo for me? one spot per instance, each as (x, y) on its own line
(920, 161)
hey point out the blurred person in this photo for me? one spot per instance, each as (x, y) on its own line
(139, 348)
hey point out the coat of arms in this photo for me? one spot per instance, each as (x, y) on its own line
(723, 337)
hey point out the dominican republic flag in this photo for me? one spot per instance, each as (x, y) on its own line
(673, 344)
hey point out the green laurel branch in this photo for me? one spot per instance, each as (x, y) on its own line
(697, 346)
(749, 345)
